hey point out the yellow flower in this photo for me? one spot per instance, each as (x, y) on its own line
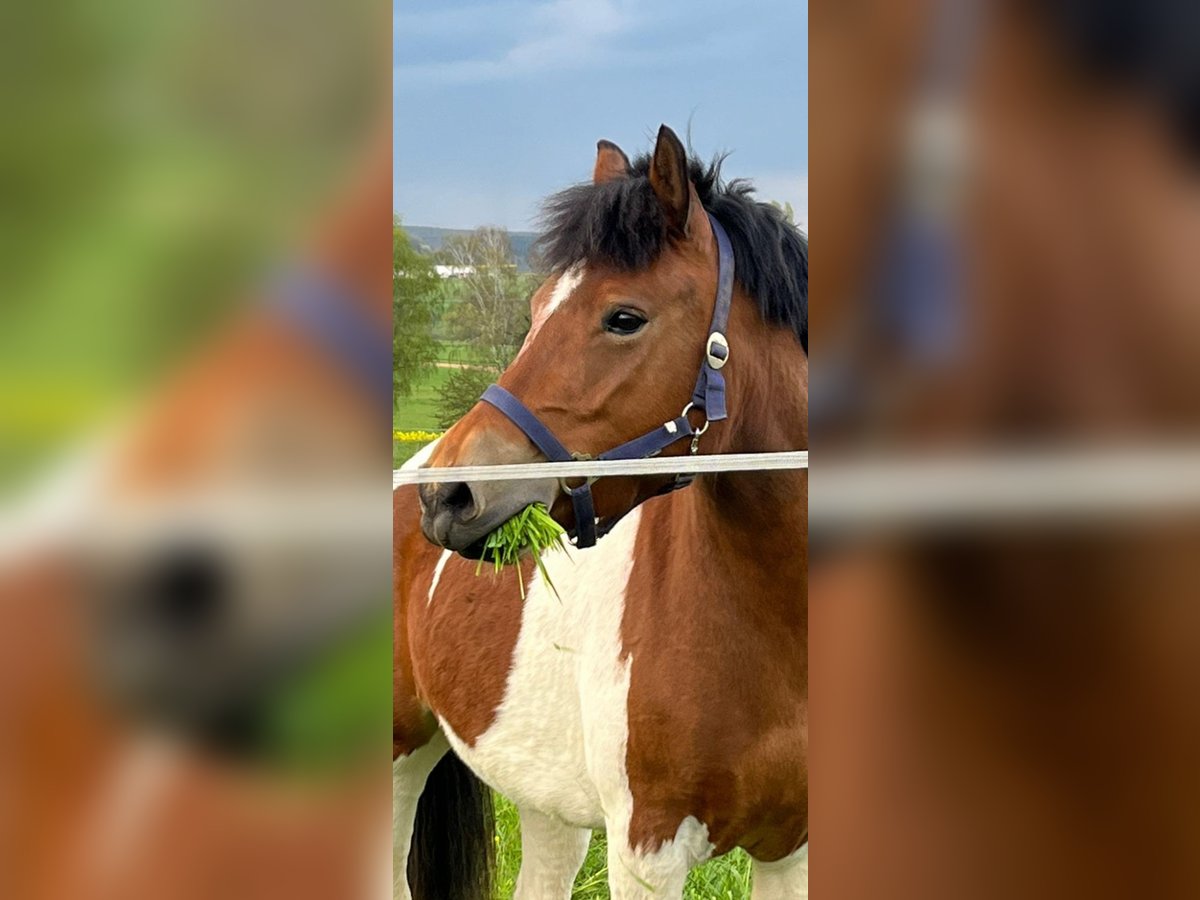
(423, 437)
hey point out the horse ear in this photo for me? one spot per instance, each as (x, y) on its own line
(669, 178)
(611, 162)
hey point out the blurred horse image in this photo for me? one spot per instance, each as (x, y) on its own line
(1006, 204)
(230, 536)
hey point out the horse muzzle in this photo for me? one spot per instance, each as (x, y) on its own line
(459, 516)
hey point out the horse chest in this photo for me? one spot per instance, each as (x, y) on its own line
(622, 703)
(556, 739)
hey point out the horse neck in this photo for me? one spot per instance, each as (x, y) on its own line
(1087, 281)
(758, 513)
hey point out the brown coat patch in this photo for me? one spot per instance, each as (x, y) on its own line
(452, 655)
(718, 709)
(716, 622)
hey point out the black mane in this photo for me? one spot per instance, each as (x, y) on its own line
(620, 223)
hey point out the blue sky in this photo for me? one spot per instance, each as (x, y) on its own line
(497, 104)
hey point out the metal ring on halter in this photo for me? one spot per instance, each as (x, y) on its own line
(703, 428)
(590, 480)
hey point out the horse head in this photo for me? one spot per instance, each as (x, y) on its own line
(633, 309)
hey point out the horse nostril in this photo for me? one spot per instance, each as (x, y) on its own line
(186, 589)
(459, 500)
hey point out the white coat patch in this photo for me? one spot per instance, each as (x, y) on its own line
(563, 288)
(786, 879)
(567, 282)
(557, 741)
(661, 873)
(421, 457)
(437, 572)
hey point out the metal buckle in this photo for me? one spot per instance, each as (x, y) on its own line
(716, 339)
(588, 480)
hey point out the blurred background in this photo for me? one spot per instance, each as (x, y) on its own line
(156, 159)
(194, 533)
(1005, 414)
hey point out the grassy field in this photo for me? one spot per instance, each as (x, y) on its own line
(726, 878)
(457, 352)
(417, 413)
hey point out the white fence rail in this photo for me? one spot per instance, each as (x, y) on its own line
(1070, 485)
(662, 465)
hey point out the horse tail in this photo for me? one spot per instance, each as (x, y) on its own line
(453, 853)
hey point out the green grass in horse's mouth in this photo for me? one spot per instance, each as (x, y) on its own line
(532, 530)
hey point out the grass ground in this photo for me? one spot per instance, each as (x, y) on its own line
(457, 352)
(417, 413)
(725, 878)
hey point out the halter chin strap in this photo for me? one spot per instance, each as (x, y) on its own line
(708, 397)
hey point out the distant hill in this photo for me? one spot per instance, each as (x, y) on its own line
(428, 239)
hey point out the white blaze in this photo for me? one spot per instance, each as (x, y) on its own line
(567, 282)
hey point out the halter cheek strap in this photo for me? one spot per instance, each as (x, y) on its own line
(708, 397)
(710, 386)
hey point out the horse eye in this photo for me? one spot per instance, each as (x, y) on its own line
(624, 321)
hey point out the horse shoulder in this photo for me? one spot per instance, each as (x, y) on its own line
(717, 698)
(455, 629)
(412, 721)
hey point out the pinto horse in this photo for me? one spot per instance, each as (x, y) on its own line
(659, 690)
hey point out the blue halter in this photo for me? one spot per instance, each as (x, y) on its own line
(708, 397)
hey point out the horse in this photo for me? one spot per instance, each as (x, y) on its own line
(656, 684)
(1002, 709)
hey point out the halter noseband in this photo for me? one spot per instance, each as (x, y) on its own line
(708, 397)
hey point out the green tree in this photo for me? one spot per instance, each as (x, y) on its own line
(461, 391)
(789, 214)
(491, 309)
(490, 314)
(416, 302)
